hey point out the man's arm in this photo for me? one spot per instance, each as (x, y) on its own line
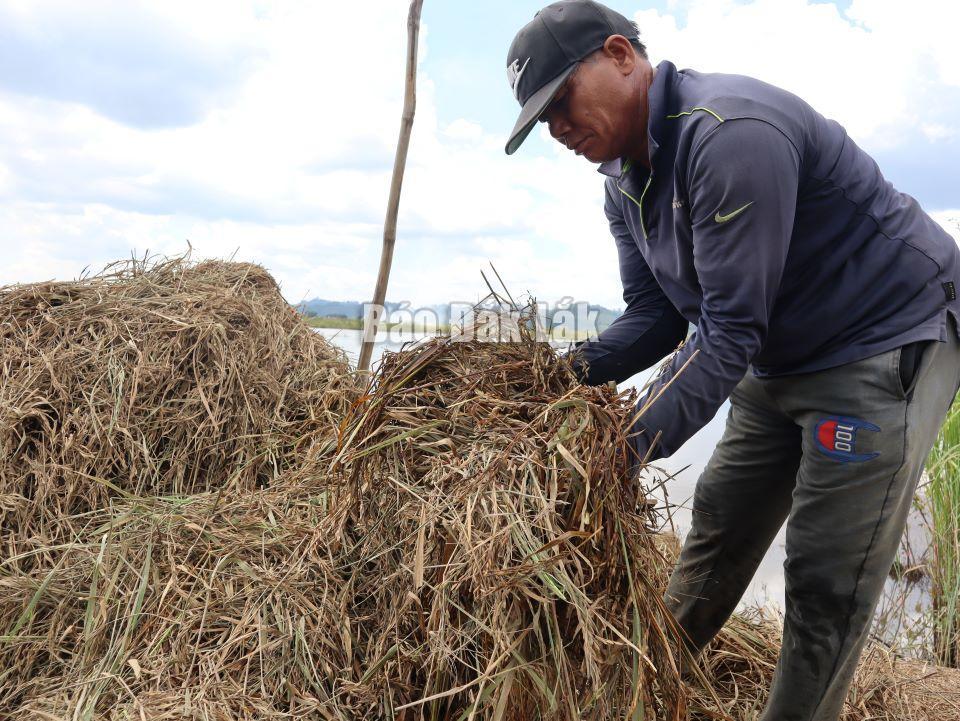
(742, 182)
(648, 329)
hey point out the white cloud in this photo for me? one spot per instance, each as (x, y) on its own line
(142, 64)
(879, 69)
(938, 131)
(950, 220)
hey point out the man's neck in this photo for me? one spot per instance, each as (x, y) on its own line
(640, 151)
(641, 154)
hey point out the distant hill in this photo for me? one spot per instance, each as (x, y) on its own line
(354, 309)
(351, 309)
(336, 308)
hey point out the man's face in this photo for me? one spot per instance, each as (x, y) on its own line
(592, 114)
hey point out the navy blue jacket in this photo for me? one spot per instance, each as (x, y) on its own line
(766, 227)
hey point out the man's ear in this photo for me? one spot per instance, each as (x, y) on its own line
(619, 49)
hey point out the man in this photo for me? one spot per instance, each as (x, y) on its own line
(737, 207)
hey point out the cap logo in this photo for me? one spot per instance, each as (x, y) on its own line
(514, 71)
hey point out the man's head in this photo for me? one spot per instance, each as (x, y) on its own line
(580, 67)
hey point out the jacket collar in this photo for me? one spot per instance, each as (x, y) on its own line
(660, 98)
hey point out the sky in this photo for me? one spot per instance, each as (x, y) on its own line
(265, 131)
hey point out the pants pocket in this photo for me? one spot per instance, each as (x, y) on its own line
(908, 365)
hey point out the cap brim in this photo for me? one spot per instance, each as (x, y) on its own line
(533, 108)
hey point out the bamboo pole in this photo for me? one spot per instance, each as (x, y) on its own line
(371, 320)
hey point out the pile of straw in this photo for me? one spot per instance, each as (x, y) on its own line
(158, 378)
(235, 531)
(502, 564)
(468, 547)
(124, 398)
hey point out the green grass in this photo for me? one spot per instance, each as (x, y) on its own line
(322, 321)
(943, 501)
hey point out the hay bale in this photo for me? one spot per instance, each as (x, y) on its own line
(156, 378)
(130, 402)
(504, 566)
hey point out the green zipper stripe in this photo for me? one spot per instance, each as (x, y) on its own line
(692, 111)
(628, 195)
(642, 196)
(639, 203)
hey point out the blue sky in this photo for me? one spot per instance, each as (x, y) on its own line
(265, 130)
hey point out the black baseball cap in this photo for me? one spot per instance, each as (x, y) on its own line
(548, 48)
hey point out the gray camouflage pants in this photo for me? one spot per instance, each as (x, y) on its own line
(837, 454)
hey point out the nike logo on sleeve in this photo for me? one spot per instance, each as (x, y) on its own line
(730, 216)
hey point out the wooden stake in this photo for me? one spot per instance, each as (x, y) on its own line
(371, 321)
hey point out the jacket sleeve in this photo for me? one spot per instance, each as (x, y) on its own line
(646, 331)
(742, 184)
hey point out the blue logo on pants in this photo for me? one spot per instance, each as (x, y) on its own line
(836, 436)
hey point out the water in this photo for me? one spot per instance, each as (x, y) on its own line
(685, 466)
